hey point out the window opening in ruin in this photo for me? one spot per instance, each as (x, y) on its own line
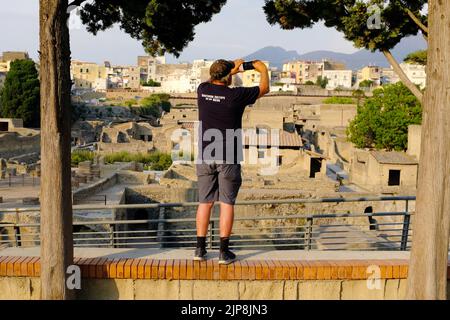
(279, 161)
(394, 178)
(315, 166)
(4, 126)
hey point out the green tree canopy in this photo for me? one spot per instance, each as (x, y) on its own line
(322, 82)
(417, 57)
(372, 24)
(162, 25)
(382, 122)
(151, 83)
(155, 104)
(20, 96)
(366, 84)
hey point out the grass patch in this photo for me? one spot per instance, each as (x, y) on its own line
(339, 100)
(81, 156)
(152, 161)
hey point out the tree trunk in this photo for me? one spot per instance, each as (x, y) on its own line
(427, 278)
(56, 200)
(403, 77)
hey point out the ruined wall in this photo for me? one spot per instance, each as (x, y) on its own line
(89, 190)
(133, 177)
(414, 140)
(337, 115)
(135, 146)
(12, 144)
(368, 173)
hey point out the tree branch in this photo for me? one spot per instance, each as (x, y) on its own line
(403, 77)
(76, 3)
(423, 27)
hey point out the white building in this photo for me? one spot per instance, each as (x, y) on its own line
(147, 66)
(338, 78)
(199, 73)
(416, 73)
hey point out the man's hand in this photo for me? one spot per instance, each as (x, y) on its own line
(237, 65)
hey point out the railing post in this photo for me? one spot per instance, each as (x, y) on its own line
(308, 235)
(211, 234)
(405, 230)
(112, 229)
(17, 236)
(161, 228)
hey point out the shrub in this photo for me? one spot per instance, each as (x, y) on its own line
(81, 156)
(151, 83)
(339, 100)
(154, 160)
(382, 121)
(155, 104)
(130, 103)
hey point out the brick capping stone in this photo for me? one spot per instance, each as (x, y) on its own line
(186, 269)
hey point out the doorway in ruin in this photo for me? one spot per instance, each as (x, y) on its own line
(122, 137)
(315, 166)
(4, 126)
(139, 214)
(299, 129)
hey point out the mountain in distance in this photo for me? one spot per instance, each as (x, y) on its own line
(354, 61)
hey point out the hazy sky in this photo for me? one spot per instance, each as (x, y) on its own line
(238, 30)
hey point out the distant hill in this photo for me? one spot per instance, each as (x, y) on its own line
(277, 55)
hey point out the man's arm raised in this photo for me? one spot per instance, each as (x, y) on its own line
(264, 83)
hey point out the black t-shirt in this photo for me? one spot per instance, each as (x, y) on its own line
(220, 115)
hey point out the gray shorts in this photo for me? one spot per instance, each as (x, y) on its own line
(218, 182)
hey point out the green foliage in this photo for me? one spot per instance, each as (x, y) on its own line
(20, 96)
(130, 103)
(151, 83)
(79, 112)
(382, 122)
(358, 94)
(81, 156)
(155, 104)
(350, 17)
(153, 161)
(366, 84)
(417, 57)
(322, 82)
(339, 100)
(161, 25)
(309, 83)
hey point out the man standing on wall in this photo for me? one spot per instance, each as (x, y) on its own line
(220, 148)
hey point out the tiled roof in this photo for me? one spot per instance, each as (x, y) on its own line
(393, 157)
(286, 139)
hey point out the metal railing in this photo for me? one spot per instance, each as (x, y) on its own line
(334, 231)
(22, 180)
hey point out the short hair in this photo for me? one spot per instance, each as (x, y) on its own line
(221, 69)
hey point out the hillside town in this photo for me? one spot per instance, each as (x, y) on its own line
(313, 153)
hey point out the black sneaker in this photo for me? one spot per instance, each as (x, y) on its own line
(227, 257)
(200, 254)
